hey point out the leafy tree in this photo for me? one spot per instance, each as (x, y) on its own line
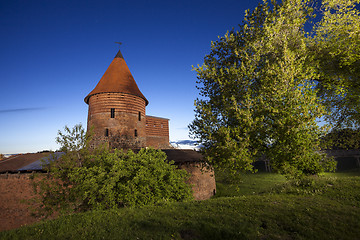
(335, 46)
(75, 144)
(258, 97)
(346, 138)
(1, 156)
(84, 179)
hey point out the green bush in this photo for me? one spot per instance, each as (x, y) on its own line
(84, 179)
(120, 179)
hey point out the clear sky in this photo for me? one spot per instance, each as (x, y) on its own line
(53, 53)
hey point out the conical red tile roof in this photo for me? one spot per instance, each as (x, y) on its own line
(117, 79)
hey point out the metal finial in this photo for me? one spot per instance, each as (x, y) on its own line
(119, 44)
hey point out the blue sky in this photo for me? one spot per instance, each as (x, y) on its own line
(53, 53)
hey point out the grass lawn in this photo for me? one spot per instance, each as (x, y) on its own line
(256, 206)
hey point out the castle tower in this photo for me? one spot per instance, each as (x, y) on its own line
(117, 108)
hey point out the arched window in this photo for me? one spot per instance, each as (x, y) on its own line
(112, 113)
(139, 116)
(136, 134)
(106, 132)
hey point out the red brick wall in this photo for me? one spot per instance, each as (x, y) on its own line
(157, 132)
(150, 131)
(14, 188)
(202, 180)
(14, 211)
(120, 101)
(121, 128)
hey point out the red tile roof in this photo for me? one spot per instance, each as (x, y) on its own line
(15, 162)
(117, 79)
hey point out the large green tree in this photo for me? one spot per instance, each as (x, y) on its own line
(258, 94)
(335, 46)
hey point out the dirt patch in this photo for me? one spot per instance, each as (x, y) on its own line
(14, 212)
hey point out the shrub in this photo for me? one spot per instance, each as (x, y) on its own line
(118, 179)
(100, 179)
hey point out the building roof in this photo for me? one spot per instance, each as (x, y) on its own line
(117, 79)
(180, 156)
(28, 162)
(16, 162)
(149, 116)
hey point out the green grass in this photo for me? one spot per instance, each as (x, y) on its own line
(258, 206)
(246, 184)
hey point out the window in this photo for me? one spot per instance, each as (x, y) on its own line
(106, 132)
(139, 116)
(112, 112)
(136, 134)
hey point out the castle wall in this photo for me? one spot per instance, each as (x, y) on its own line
(157, 132)
(14, 211)
(117, 119)
(201, 178)
(15, 188)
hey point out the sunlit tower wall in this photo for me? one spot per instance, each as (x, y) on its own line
(116, 113)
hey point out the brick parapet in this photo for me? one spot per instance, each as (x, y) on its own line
(18, 175)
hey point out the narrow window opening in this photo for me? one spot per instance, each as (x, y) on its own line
(106, 132)
(112, 112)
(139, 116)
(136, 134)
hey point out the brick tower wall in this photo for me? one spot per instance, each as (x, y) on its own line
(117, 119)
(157, 132)
(201, 178)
